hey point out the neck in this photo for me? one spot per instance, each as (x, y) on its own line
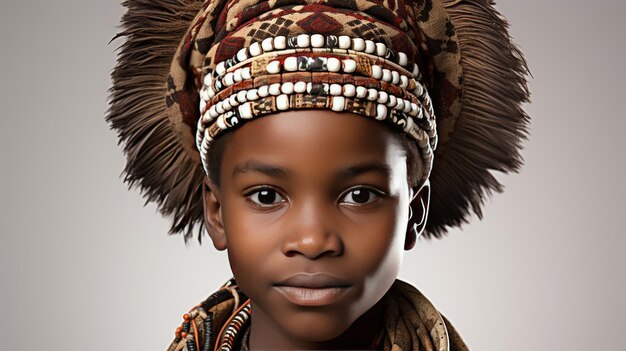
(363, 334)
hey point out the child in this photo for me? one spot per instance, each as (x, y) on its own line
(316, 201)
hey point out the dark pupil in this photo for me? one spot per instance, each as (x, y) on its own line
(267, 196)
(360, 196)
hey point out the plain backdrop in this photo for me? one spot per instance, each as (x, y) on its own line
(85, 266)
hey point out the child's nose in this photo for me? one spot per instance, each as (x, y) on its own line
(312, 234)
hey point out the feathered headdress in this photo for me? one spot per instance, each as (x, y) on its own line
(444, 71)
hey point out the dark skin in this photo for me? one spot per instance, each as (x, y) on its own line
(323, 197)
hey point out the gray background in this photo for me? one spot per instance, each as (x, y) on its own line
(542, 271)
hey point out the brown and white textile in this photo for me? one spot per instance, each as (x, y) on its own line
(412, 323)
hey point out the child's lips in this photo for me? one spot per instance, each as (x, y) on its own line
(312, 296)
(317, 289)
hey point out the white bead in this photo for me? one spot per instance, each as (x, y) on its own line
(204, 94)
(287, 88)
(392, 101)
(414, 109)
(339, 103)
(333, 64)
(409, 124)
(242, 55)
(233, 100)
(263, 91)
(274, 89)
(349, 65)
(280, 42)
(299, 87)
(220, 108)
(273, 67)
(381, 49)
(221, 123)
(395, 77)
(229, 79)
(234, 120)
(419, 89)
(207, 139)
(221, 68)
(266, 44)
(255, 49)
(358, 44)
(416, 70)
(208, 80)
(349, 90)
(407, 106)
(226, 105)
(246, 73)
(309, 87)
(370, 47)
(211, 93)
(291, 64)
(361, 92)
(241, 96)
(326, 88)
(420, 113)
(282, 102)
(344, 42)
(386, 75)
(317, 41)
(403, 59)
(237, 75)
(245, 110)
(377, 72)
(404, 81)
(213, 111)
(399, 104)
(252, 94)
(303, 40)
(372, 94)
(383, 97)
(335, 89)
(381, 112)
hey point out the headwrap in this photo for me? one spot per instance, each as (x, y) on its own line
(443, 71)
(411, 323)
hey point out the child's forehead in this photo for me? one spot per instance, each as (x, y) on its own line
(334, 139)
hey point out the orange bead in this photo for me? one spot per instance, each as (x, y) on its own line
(184, 335)
(186, 317)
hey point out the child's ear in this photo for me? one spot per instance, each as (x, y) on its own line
(213, 220)
(418, 214)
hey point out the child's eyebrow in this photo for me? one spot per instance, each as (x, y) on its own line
(356, 170)
(261, 167)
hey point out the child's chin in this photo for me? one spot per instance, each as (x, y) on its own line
(317, 327)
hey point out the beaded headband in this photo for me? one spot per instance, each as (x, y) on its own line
(313, 71)
(444, 71)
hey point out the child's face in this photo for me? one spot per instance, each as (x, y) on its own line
(313, 208)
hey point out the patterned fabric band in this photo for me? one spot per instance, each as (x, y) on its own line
(316, 71)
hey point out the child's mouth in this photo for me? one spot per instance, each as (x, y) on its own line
(312, 296)
(317, 289)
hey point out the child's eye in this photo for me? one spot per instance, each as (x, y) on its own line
(361, 196)
(265, 197)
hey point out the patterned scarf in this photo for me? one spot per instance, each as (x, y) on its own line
(412, 323)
